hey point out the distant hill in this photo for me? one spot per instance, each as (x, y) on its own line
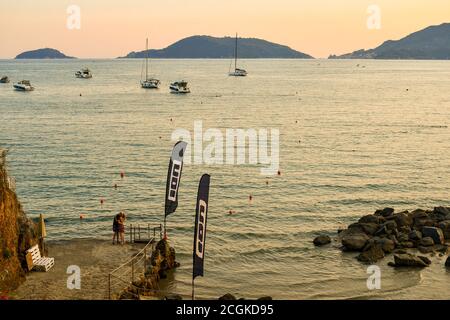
(46, 53)
(431, 43)
(212, 47)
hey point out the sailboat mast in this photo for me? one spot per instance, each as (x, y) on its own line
(235, 54)
(146, 59)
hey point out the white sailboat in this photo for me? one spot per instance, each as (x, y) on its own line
(148, 83)
(237, 72)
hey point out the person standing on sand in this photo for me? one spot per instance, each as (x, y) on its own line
(121, 227)
(116, 228)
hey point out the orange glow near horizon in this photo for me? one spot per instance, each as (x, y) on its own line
(113, 28)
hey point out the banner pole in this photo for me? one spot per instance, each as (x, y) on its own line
(165, 234)
(193, 288)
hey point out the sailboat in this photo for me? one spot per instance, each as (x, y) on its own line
(237, 72)
(148, 83)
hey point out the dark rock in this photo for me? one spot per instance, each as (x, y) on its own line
(266, 298)
(404, 229)
(423, 222)
(371, 219)
(355, 242)
(391, 264)
(441, 211)
(390, 225)
(415, 235)
(435, 233)
(173, 297)
(340, 230)
(402, 237)
(227, 296)
(425, 250)
(322, 240)
(385, 212)
(426, 242)
(419, 213)
(369, 228)
(383, 230)
(386, 245)
(400, 251)
(408, 260)
(403, 220)
(372, 255)
(445, 226)
(441, 248)
(407, 244)
(447, 263)
(425, 259)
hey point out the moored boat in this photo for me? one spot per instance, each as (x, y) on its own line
(84, 73)
(23, 85)
(4, 79)
(179, 87)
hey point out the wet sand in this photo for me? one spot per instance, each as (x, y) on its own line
(96, 258)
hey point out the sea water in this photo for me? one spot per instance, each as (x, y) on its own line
(355, 136)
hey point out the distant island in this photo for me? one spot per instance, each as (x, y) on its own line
(432, 43)
(45, 53)
(208, 47)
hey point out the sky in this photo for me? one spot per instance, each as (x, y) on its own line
(112, 28)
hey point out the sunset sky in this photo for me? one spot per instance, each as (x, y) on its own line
(111, 28)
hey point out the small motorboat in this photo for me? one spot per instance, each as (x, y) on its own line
(23, 85)
(4, 79)
(179, 87)
(84, 73)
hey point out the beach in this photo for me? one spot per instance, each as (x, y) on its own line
(96, 259)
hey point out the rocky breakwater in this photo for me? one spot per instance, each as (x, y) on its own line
(158, 264)
(400, 234)
(17, 233)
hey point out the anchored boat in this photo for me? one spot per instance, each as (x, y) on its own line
(23, 85)
(237, 72)
(4, 79)
(179, 87)
(148, 83)
(84, 73)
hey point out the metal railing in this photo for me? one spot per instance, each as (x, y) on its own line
(143, 234)
(125, 274)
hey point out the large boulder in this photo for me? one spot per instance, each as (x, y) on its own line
(403, 219)
(447, 263)
(419, 213)
(386, 245)
(408, 260)
(415, 235)
(445, 227)
(322, 240)
(386, 212)
(371, 219)
(426, 242)
(372, 255)
(355, 242)
(227, 296)
(435, 233)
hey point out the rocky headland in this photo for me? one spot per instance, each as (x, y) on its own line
(406, 236)
(17, 233)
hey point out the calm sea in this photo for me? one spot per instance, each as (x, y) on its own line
(352, 139)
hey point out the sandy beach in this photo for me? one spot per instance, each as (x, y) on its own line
(96, 258)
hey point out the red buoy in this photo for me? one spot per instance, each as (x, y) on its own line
(279, 172)
(101, 201)
(115, 186)
(122, 174)
(250, 197)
